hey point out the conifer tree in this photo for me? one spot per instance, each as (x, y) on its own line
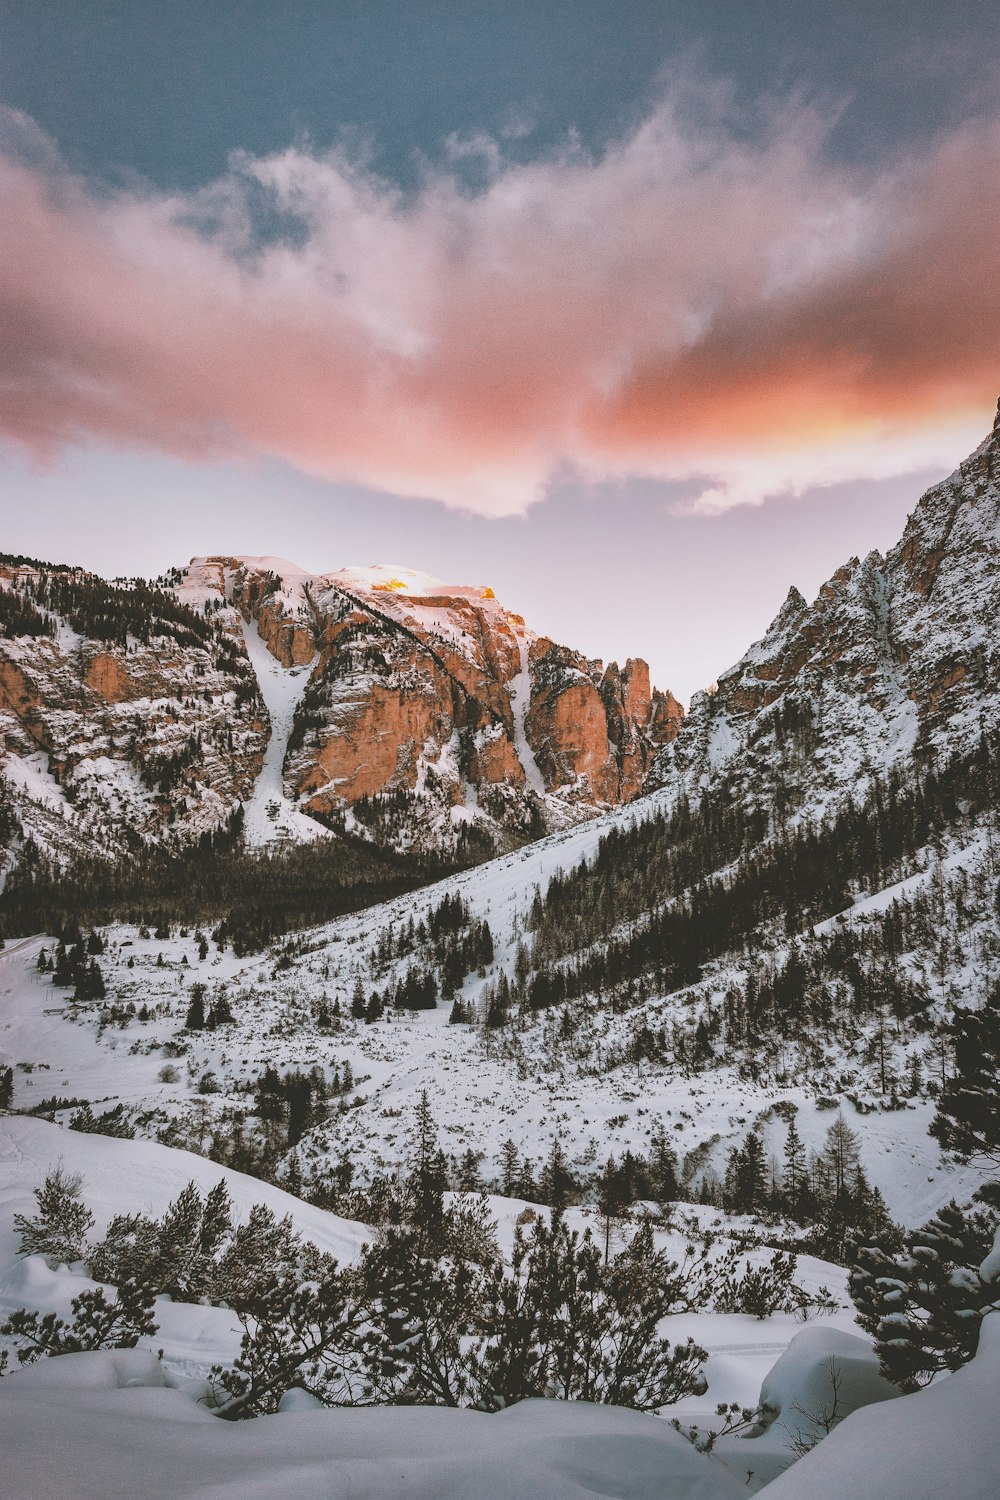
(663, 1183)
(509, 1168)
(195, 1018)
(925, 1304)
(59, 1229)
(610, 1202)
(557, 1181)
(429, 1178)
(97, 1324)
(968, 1114)
(795, 1175)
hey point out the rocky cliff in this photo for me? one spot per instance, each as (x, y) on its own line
(123, 717)
(432, 714)
(897, 657)
(379, 701)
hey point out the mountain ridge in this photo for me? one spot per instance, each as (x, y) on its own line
(896, 657)
(424, 716)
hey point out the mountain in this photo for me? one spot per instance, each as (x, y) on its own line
(790, 918)
(724, 1006)
(813, 887)
(896, 662)
(246, 692)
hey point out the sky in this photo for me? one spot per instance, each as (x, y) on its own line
(638, 312)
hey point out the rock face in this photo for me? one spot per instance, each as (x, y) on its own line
(108, 738)
(432, 716)
(594, 731)
(895, 658)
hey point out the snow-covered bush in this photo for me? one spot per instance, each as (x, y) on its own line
(176, 1255)
(925, 1305)
(97, 1324)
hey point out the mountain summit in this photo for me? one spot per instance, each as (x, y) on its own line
(377, 701)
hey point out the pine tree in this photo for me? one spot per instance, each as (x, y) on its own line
(663, 1183)
(925, 1305)
(375, 1008)
(557, 1181)
(428, 1180)
(175, 1255)
(90, 983)
(312, 1331)
(968, 1114)
(509, 1168)
(610, 1202)
(840, 1155)
(747, 1175)
(195, 1019)
(222, 1011)
(60, 1227)
(795, 1176)
(498, 1003)
(97, 1324)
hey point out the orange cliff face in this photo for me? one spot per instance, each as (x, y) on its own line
(422, 713)
(431, 709)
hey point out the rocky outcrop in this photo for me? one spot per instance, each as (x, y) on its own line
(104, 742)
(435, 711)
(897, 657)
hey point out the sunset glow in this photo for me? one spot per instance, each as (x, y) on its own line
(683, 304)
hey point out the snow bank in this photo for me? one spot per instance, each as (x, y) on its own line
(940, 1444)
(110, 1438)
(822, 1376)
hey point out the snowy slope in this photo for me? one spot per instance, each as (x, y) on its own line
(124, 1176)
(942, 1443)
(480, 1095)
(128, 1423)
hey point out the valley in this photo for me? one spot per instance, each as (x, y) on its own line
(700, 973)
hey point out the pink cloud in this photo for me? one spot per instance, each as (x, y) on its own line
(689, 302)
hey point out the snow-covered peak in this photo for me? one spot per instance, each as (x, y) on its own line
(408, 583)
(205, 576)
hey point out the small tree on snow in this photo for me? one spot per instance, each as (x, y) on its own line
(98, 1323)
(60, 1227)
(924, 1306)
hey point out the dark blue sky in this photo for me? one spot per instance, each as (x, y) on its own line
(168, 89)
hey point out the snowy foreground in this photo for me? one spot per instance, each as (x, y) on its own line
(132, 1424)
(97, 1426)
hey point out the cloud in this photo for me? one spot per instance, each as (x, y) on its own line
(710, 297)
